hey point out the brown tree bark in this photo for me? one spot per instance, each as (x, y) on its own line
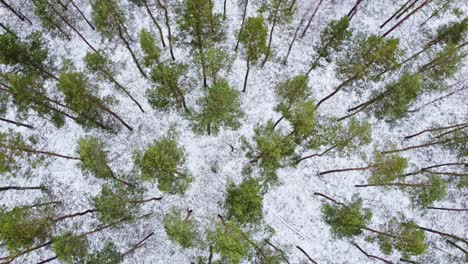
(82, 14)
(344, 170)
(406, 17)
(329, 198)
(112, 113)
(436, 166)
(110, 77)
(316, 154)
(16, 123)
(393, 184)
(246, 75)
(169, 31)
(436, 129)
(336, 90)
(242, 23)
(127, 45)
(406, 9)
(33, 151)
(137, 245)
(15, 12)
(443, 234)
(161, 35)
(275, 19)
(293, 40)
(147, 200)
(311, 18)
(422, 145)
(61, 218)
(396, 13)
(371, 256)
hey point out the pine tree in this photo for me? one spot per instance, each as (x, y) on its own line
(277, 12)
(151, 51)
(181, 230)
(107, 255)
(70, 248)
(228, 241)
(148, 10)
(27, 56)
(331, 39)
(369, 56)
(346, 220)
(244, 202)
(110, 21)
(425, 196)
(80, 96)
(94, 161)
(245, 4)
(164, 162)
(102, 67)
(168, 93)
(405, 237)
(22, 227)
(271, 151)
(216, 61)
(202, 26)
(253, 38)
(220, 108)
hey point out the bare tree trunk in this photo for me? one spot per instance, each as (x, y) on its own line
(443, 234)
(246, 75)
(406, 9)
(110, 77)
(412, 185)
(8, 30)
(307, 255)
(283, 255)
(395, 14)
(436, 166)
(89, 211)
(354, 9)
(293, 40)
(448, 209)
(406, 17)
(15, 12)
(40, 152)
(422, 145)
(361, 107)
(47, 260)
(329, 198)
(457, 246)
(82, 15)
(21, 188)
(161, 35)
(242, 23)
(311, 18)
(344, 170)
(275, 18)
(137, 245)
(169, 32)
(16, 123)
(316, 154)
(127, 45)
(435, 13)
(371, 256)
(337, 89)
(117, 117)
(436, 129)
(224, 9)
(147, 200)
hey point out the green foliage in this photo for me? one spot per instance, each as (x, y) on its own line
(369, 55)
(453, 33)
(107, 255)
(168, 93)
(20, 228)
(290, 91)
(398, 96)
(115, 203)
(93, 157)
(180, 230)
(216, 60)
(229, 242)
(280, 10)
(271, 151)
(244, 203)
(332, 38)
(427, 195)
(80, 96)
(107, 17)
(150, 49)
(301, 115)
(70, 248)
(27, 56)
(46, 12)
(99, 65)
(407, 238)
(220, 108)
(387, 168)
(347, 221)
(28, 93)
(163, 161)
(253, 37)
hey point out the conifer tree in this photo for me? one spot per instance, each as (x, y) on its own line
(331, 39)
(93, 156)
(169, 92)
(22, 227)
(368, 56)
(164, 162)
(110, 21)
(216, 60)
(289, 92)
(151, 51)
(168, 25)
(271, 151)
(244, 202)
(220, 108)
(277, 12)
(204, 27)
(425, 196)
(80, 96)
(70, 248)
(228, 241)
(103, 68)
(107, 255)
(181, 229)
(244, 4)
(253, 38)
(148, 10)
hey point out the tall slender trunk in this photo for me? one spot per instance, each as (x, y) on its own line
(448, 209)
(33, 151)
(22, 188)
(361, 107)
(406, 17)
(344, 170)
(336, 90)
(61, 218)
(371, 256)
(137, 245)
(110, 77)
(224, 9)
(161, 35)
(319, 56)
(47, 260)
(246, 75)
(399, 184)
(127, 45)
(8, 30)
(112, 113)
(457, 246)
(146, 200)
(444, 6)
(169, 31)
(275, 19)
(16, 123)
(436, 166)
(15, 12)
(293, 40)
(329, 198)
(317, 154)
(436, 129)
(406, 9)
(379, 232)
(202, 56)
(311, 18)
(422, 145)
(244, 14)
(443, 234)
(395, 14)
(307, 255)
(82, 14)
(353, 11)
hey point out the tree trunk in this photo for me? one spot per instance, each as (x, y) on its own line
(353, 11)
(8, 30)
(457, 246)
(283, 255)
(20, 188)
(242, 24)
(145, 201)
(361, 107)
(145, 2)
(82, 15)
(337, 89)
(395, 14)
(47, 260)
(329, 198)
(443, 234)
(307, 255)
(169, 32)
(15, 12)
(74, 215)
(371, 256)
(277, 122)
(435, 13)
(224, 9)
(411, 185)
(316, 154)
(16, 123)
(311, 18)
(293, 40)
(406, 17)
(275, 18)
(436, 166)
(202, 57)
(437, 129)
(448, 209)
(117, 117)
(379, 232)
(40, 152)
(110, 77)
(347, 169)
(127, 45)
(246, 75)
(137, 245)
(422, 145)
(406, 9)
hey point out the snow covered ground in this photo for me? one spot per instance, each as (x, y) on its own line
(291, 209)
